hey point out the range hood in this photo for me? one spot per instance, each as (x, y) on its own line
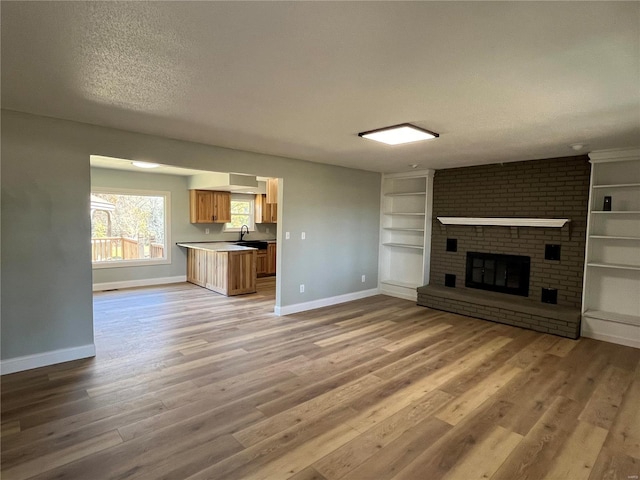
(226, 182)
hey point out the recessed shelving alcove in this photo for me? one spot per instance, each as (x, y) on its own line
(611, 293)
(405, 233)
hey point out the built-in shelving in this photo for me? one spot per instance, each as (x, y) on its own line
(611, 304)
(405, 233)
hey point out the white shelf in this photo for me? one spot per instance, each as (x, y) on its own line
(619, 185)
(403, 245)
(399, 283)
(505, 222)
(617, 212)
(615, 266)
(413, 214)
(613, 317)
(614, 237)
(419, 230)
(403, 194)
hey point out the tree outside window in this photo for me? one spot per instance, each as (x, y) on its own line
(242, 213)
(128, 227)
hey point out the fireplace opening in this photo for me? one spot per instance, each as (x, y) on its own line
(498, 273)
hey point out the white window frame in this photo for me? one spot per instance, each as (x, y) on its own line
(252, 211)
(167, 228)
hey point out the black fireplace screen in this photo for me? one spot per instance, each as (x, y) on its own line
(498, 273)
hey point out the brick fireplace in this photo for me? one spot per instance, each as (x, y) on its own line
(541, 189)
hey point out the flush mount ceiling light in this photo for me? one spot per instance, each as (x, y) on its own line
(145, 165)
(399, 134)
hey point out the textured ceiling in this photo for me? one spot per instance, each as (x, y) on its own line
(498, 81)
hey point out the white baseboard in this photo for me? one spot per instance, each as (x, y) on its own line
(28, 362)
(629, 342)
(399, 292)
(324, 302)
(145, 282)
(609, 331)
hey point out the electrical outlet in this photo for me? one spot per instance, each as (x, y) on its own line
(303, 235)
(302, 288)
(287, 235)
(363, 278)
(268, 230)
(206, 231)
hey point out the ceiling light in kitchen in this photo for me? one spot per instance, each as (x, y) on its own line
(399, 134)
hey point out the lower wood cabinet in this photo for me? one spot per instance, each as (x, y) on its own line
(262, 263)
(228, 273)
(271, 258)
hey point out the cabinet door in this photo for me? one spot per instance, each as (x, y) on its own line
(262, 263)
(272, 190)
(201, 206)
(273, 213)
(197, 267)
(271, 259)
(222, 207)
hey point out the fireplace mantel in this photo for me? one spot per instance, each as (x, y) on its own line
(505, 222)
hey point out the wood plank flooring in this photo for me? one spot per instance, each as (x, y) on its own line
(188, 384)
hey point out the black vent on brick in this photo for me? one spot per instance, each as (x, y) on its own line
(449, 280)
(550, 295)
(452, 244)
(551, 252)
(498, 273)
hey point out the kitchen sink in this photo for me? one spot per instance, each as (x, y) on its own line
(253, 244)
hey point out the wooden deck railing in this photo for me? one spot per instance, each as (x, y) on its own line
(107, 249)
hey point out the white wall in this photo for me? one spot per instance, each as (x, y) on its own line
(46, 268)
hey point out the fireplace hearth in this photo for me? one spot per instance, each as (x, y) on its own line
(498, 273)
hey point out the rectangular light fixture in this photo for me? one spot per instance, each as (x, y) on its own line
(399, 134)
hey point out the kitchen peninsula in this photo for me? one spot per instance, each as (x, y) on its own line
(222, 267)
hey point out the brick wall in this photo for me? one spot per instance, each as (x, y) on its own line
(551, 188)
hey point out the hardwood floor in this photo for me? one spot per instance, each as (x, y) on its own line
(190, 384)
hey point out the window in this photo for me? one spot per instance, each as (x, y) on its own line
(129, 227)
(242, 213)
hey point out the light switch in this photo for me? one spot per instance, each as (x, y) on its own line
(287, 235)
(303, 235)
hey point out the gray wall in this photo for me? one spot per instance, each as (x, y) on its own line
(181, 229)
(46, 268)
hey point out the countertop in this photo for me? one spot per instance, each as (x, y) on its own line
(216, 246)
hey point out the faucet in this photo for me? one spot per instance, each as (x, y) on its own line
(242, 232)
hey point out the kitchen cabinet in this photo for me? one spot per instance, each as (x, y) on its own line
(271, 258)
(262, 263)
(208, 206)
(272, 190)
(229, 270)
(197, 267)
(610, 306)
(265, 212)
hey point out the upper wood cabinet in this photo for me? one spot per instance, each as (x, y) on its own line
(207, 206)
(265, 212)
(272, 190)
